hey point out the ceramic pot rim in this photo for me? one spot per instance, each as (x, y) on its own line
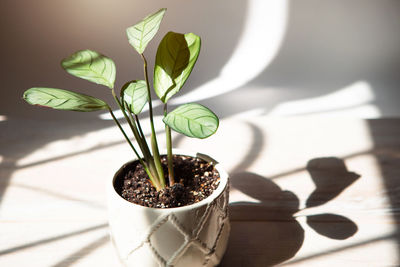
(220, 189)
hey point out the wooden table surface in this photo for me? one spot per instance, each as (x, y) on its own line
(306, 191)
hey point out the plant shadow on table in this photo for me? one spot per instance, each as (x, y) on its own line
(266, 233)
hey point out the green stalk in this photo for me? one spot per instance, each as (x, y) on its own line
(155, 183)
(153, 175)
(139, 137)
(135, 132)
(140, 128)
(154, 145)
(123, 132)
(171, 175)
(133, 128)
(152, 166)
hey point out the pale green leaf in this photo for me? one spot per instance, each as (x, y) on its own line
(193, 120)
(134, 93)
(140, 34)
(62, 99)
(175, 59)
(91, 66)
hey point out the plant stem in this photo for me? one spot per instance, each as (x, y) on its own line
(151, 163)
(155, 183)
(123, 132)
(169, 151)
(139, 137)
(154, 145)
(122, 108)
(141, 134)
(133, 127)
(140, 128)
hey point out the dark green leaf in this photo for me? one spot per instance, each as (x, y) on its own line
(176, 56)
(193, 120)
(135, 95)
(91, 66)
(140, 34)
(62, 99)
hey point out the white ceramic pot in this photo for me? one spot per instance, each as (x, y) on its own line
(193, 235)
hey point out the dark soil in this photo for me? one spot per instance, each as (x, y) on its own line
(195, 180)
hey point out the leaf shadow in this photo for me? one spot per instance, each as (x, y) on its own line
(332, 225)
(330, 177)
(265, 231)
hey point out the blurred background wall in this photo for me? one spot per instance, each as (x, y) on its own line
(277, 57)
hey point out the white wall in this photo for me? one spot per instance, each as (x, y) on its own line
(271, 57)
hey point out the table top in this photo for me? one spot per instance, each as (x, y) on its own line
(305, 191)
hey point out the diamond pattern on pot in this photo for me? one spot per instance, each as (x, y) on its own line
(201, 242)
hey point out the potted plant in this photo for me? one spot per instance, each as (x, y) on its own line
(168, 208)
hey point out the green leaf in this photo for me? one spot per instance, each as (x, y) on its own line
(63, 99)
(134, 93)
(140, 34)
(193, 120)
(91, 66)
(176, 56)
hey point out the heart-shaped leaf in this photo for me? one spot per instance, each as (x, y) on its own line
(134, 93)
(140, 34)
(91, 66)
(193, 120)
(175, 59)
(62, 99)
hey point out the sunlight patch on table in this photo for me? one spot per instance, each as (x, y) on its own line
(354, 100)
